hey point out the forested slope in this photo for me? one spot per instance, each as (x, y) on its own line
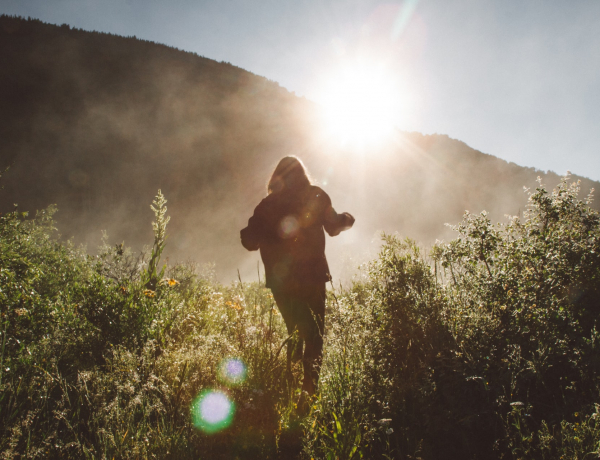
(96, 123)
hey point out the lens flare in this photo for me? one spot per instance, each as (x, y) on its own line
(212, 411)
(288, 227)
(232, 371)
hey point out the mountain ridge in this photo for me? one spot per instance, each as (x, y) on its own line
(96, 123)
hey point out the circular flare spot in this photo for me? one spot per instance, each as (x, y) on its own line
(233, 371)
(212, 411)
(288, 227)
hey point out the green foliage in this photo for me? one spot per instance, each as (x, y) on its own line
(487, 350)
(536, 286)
(487, 347)
(97, 365)
(341, 424)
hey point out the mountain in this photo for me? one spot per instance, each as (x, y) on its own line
(96, 123)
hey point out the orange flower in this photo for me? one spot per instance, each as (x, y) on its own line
(233, 305)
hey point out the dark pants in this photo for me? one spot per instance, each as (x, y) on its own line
(303, 309)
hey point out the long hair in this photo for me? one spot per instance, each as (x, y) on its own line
(289, 174)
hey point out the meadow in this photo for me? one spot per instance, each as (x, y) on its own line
(485, 347)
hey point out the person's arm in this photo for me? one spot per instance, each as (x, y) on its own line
(251, 235)
(333, 222)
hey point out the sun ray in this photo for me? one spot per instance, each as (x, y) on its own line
(360, 104)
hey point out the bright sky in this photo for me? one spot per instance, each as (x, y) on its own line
(519, 79)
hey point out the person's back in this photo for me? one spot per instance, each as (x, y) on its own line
(288, 228)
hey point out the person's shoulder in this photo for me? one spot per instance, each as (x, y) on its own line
(317, 192)
(266, 199)
(271, 202)
(317, 198)
(265, 203)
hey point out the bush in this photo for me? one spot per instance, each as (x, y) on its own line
(487, 350)
(102, 356)
(484, 347)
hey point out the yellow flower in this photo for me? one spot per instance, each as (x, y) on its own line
(149, 293)
(168, 282)
(233, 305)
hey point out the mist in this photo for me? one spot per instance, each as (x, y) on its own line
(97, 123)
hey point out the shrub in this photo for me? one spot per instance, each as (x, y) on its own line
(488, 350)
(484, 347)
(102, 357)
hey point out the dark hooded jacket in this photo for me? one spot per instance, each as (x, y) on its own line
(287, 227)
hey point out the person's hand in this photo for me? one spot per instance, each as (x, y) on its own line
(349, 220)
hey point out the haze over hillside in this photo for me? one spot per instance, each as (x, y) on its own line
(96, 123)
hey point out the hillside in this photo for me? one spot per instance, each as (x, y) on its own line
(96, 123)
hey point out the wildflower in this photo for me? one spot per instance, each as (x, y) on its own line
(233, 305)
(389, 431)
(238, 299)
(169, 282)
(149, 293)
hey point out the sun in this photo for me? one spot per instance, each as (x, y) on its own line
(360, 104)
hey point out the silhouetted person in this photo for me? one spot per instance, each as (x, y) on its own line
(287, 227)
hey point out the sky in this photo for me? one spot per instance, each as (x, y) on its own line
(518, 79)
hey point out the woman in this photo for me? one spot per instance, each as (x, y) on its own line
(287, 227)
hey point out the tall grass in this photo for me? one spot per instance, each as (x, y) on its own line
(95, 364)
(484, 347)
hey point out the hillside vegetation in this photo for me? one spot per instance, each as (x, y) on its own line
(95, 123)
(484, 347)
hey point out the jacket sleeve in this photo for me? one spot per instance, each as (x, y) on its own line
(251, 235)
(333, 222)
